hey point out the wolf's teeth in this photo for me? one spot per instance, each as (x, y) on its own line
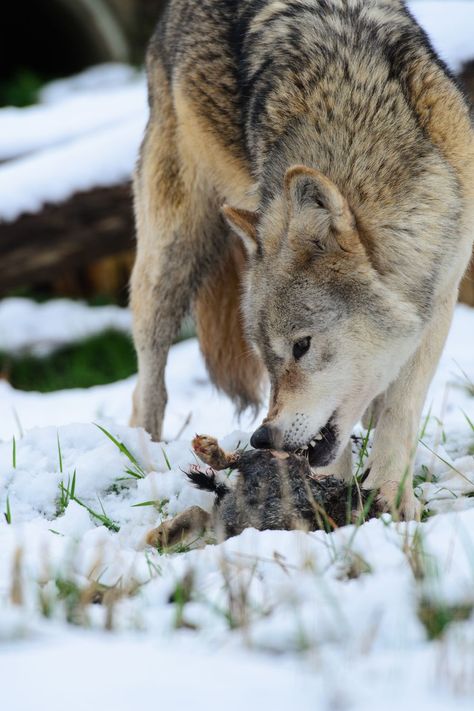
(313, 443)
(319, 437)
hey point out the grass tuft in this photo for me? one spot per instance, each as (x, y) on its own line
(67, 493)
(437, 616)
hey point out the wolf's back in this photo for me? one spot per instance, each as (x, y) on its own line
(253, 67)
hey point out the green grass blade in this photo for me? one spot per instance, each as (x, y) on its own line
(469, 421)
(425, 423)
(8, 512)
(446, 462)
(166, 459)
(124, 450)
(364, 451)
(159, 504)
(72, 491)
(133, 474)
(103, 518)
(60, 454)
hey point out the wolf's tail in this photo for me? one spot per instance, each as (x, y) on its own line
(208, 482)
(230, 360)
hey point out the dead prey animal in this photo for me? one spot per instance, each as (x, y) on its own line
(273, 491)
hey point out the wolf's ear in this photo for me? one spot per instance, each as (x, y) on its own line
(244, 223)
(320, 217)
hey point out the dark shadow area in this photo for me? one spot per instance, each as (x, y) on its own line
(44, 40)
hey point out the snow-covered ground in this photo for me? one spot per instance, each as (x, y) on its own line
(45, 327)
(301, 620)
(84, 133)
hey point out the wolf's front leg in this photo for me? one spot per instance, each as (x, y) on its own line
(390, 463)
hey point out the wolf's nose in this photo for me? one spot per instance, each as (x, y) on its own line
(262, 438)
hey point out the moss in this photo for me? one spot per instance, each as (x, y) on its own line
(21, 89)
(99, 360)
(436, 616)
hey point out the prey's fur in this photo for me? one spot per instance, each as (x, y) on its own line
(273, 491)
(345, 154)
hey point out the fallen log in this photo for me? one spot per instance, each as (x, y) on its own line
(43, 247)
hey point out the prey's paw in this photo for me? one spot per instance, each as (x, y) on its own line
(209, 452)
(189, 523)
(207, 446)
(164, 536)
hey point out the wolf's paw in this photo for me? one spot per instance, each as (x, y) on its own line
(401, 503)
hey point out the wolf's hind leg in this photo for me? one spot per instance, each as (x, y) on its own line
(191, 522)
(390, 464)
(179, 229)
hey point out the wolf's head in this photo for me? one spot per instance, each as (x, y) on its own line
(330, 332)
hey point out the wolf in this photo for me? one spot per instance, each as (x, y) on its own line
(306, 183)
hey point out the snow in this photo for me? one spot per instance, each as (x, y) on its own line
(73, 116)
(84, 134)
(86, 131)
(104, 157)
(310, 633)
(237, 681)
(48, 326)
(450, 26)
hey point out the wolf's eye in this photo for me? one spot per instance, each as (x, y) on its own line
(301, 347)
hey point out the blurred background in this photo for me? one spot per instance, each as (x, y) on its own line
(72, 112)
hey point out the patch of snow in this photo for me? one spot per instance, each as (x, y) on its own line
(176, 677)
(31, 129)
(99, 78)
(83, 134)
(102, 158)
(27, 327)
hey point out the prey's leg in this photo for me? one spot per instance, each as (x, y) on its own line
(191, 522)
